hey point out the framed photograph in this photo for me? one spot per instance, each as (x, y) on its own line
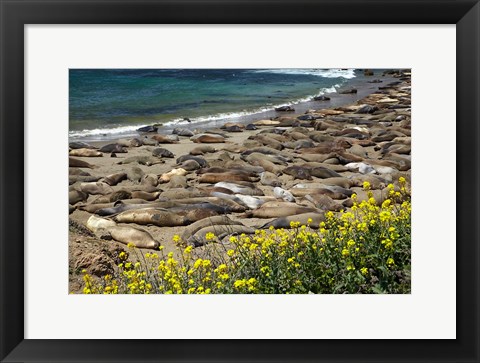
(269, 181)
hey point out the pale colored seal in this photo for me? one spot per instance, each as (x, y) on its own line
(165, 177)
(244, 188)
(278, 209)
(207, 139)
(156, 217)
(108, 229)
(161, 139)
(85, 153)
(283, 194)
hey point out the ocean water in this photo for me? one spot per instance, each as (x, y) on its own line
(115, 102)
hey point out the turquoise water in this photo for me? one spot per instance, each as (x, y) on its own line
(118, 101)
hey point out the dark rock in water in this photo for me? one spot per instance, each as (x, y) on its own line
(321, 98)
(161, 152)
(348, 91)
(80, 145)
(375, 81)
(250, 127)
(148, 129)
(285, 109)
(183, 132)
(113, 155)
(367, 109)
(368, 72)
(113, 148)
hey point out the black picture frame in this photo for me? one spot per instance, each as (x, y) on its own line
(17, 13)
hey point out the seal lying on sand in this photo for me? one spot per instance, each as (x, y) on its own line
(284, 222)
(84, 152)
(156, 217)
(220, 231)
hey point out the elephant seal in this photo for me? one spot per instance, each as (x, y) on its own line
(280, 193)
(239, 188)
(266, 123)
(93, 208)
(303, 192)
(220, 231)
(207, 222)
(284, 222)
(250, 127)
(183, 193)
(190, 165)
(156, 217)
(139, 237)
(135, 174)
(298, 172)
(148, 129)
(177, 181)
(95, 223)
(248, 201)
(85, 153)
(165, 177)
(201, 161)
(76, 163)
(113, 197)
(202, 149)
(142, 160)
(219, 177)
(72, 179)
(160, 152)
(76, 171)
(266, 165)
(324, 202)
(183, 132)
(80, 145)
(270, 179)
(113, 148)
(75, 196)
(161, 139)
(150, 180)
(207, 139)
(114, 179)
(278, 209)
(95, 188)
(362, 168)
(145, 195)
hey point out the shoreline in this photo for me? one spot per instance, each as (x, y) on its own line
(380, 139)
(361, 83)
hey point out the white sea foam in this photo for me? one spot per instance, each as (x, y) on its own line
(271, 107)
(325, 73)
(101, 133)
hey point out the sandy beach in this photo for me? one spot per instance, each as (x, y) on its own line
(270, 166)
